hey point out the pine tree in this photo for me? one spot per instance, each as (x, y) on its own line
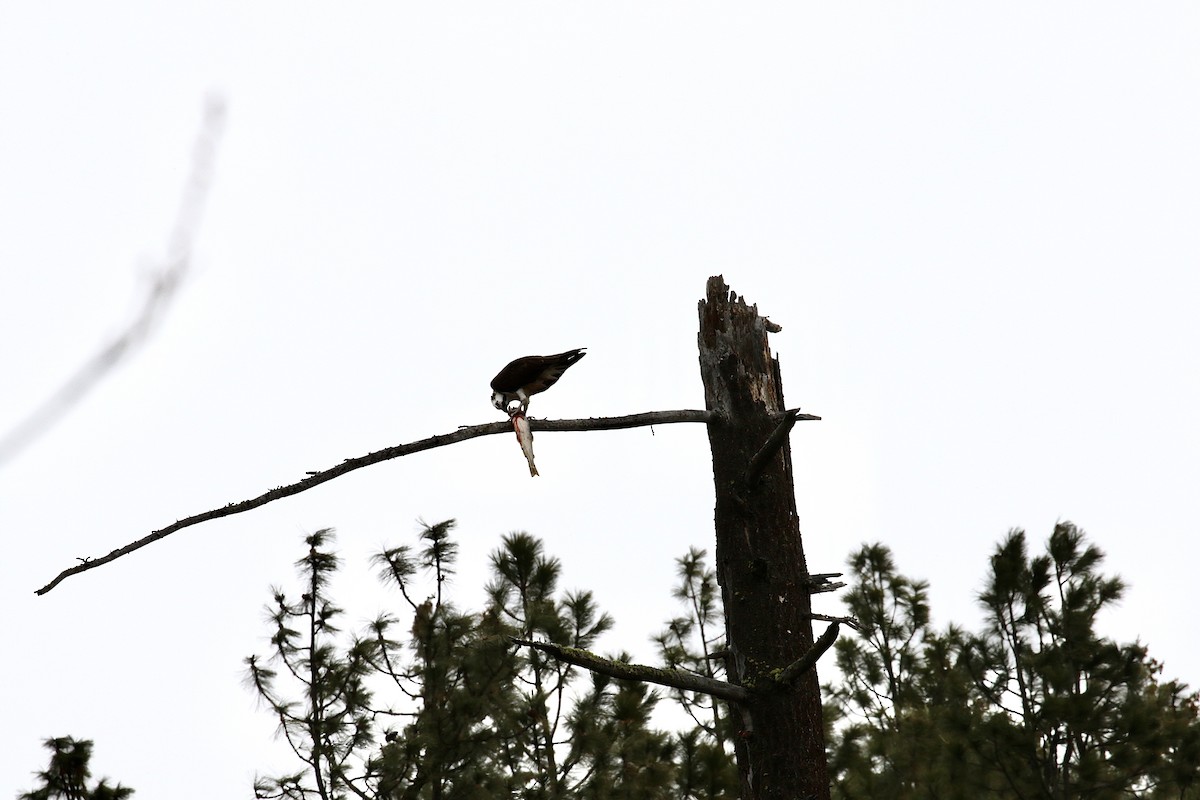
(1036, 705)
(695, 642)
(450, 678)
(478, 717)
(594, 744)
(1073, 714)
(67, 776)
(331, 725)
(898, 714)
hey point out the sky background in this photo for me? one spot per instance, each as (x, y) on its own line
(977, 225)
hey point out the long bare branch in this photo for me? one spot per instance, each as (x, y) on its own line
(687, 681)
(386, 454)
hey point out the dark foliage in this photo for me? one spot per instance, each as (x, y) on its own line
(443, 706)
(1037, 704)
(69, 772)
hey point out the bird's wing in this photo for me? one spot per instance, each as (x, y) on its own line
(535, 373)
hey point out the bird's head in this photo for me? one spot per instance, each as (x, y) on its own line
(500, 400)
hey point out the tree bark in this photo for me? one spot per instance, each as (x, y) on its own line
(759, 556)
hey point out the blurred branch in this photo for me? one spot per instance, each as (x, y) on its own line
(386, 454)
(163, 285)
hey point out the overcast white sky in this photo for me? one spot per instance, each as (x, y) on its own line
(977, 225)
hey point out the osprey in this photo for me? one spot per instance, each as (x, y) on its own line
(530, 375)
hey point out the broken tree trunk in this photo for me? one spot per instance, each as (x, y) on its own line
(759, 557)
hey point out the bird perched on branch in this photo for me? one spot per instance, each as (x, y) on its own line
(529, 375)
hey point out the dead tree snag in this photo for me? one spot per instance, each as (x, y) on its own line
(760, 562)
